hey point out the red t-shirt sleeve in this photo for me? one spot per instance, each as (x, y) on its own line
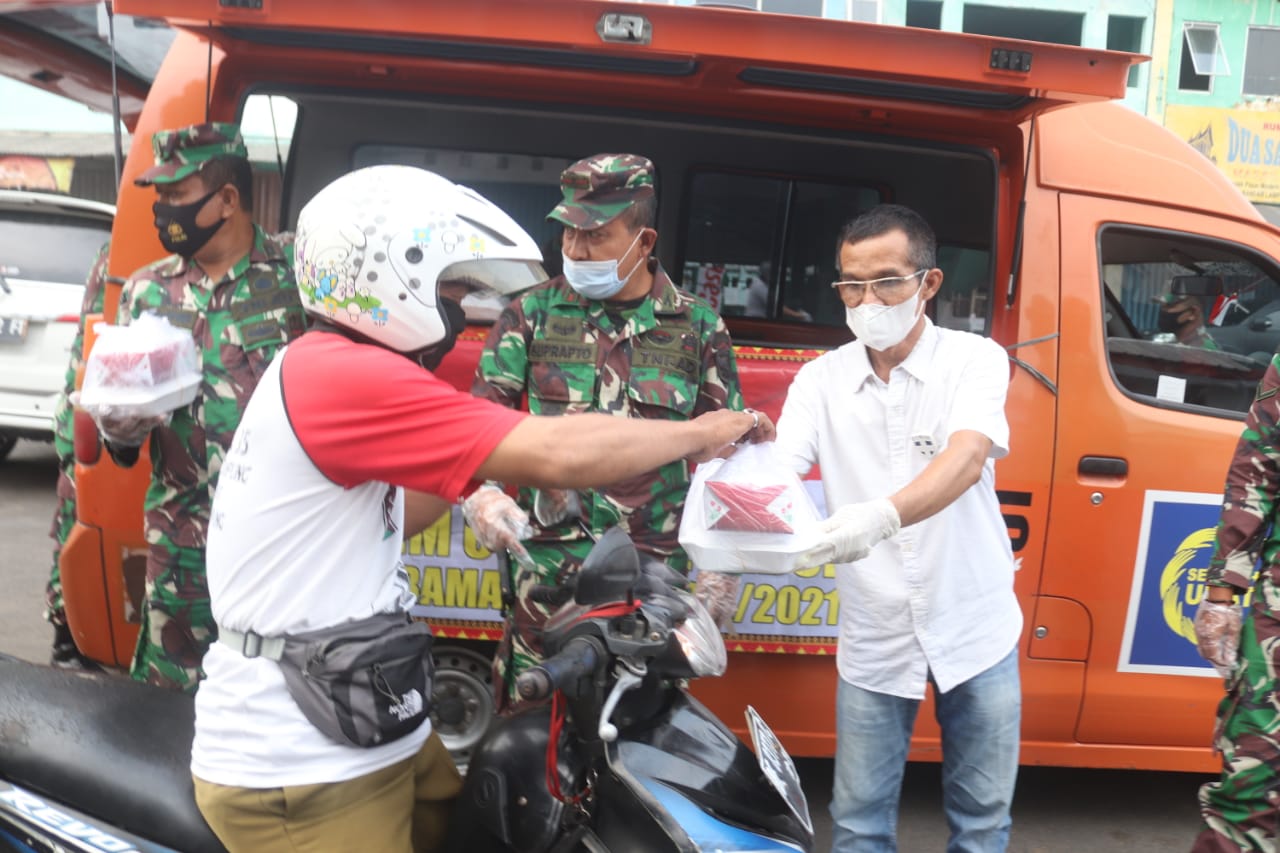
(363, 413)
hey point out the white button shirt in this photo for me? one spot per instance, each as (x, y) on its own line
(938, 597)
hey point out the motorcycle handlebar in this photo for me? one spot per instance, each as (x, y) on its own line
(578, 658)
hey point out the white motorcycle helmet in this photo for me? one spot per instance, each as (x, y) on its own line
(373, 248)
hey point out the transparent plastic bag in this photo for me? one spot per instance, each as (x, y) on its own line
(143, 370)
(747, 513)
(718, 593)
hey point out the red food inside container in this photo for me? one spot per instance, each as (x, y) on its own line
(125, 369)
(737, 506)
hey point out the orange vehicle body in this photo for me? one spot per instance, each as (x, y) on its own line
(1106, 677)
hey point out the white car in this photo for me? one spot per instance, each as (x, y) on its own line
(48, 242)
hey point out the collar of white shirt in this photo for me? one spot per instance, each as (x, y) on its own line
(919, 362)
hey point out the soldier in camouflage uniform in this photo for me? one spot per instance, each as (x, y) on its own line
(612, 334)
(1183, 311)
(1240, 809)
(232, 286)
(65, 653)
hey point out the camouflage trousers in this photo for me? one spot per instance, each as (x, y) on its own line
(521, 644)
(1240, 809)
(177, 621)
(64, 518)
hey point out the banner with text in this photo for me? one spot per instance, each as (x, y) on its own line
(1245, 145)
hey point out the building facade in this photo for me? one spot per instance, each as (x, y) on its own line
(1218, 87)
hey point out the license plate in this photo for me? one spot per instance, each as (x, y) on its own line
(778, 767)
(13, 330)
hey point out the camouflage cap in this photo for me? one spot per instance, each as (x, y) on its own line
(596, 189)
(182, 152)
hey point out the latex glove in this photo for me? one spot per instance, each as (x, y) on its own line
(718, 592)
(850, 533)
(1218, 634)
(127, 430)
(552, 506)
(497, 520)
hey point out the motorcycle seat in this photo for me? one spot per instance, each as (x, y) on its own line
(109, 747)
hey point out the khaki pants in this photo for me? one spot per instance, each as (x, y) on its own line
(398, 808)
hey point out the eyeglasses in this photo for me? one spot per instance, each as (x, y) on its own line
(891, 289)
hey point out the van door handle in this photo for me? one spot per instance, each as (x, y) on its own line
(1103, 466)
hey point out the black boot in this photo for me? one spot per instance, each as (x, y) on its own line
(66, 655)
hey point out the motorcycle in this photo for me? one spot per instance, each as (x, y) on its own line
(620, 759)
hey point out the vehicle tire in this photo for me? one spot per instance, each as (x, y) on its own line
(7, 443)
(462, 706)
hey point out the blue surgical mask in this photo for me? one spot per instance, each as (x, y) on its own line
(598, 279)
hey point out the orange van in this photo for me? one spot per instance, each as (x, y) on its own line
(1062, 220)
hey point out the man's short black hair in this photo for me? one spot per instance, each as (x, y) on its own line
(883, 218)
(236, 171)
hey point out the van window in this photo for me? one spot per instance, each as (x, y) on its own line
(523, 185)
(1189, 322)
(765, 247)
(759, 247)
(964, 302)
(267, 123)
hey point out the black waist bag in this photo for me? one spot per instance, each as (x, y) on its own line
(366, 682)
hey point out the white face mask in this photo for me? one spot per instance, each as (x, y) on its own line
(598, 279)
(883, 327)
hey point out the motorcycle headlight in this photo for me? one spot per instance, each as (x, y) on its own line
(700, 639)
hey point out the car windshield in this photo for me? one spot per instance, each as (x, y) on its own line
(49, 247)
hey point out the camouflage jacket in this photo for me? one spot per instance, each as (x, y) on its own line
(1249, 502)
(239, 324)
(670, 358)
(94, 290)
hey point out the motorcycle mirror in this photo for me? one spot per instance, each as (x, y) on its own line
(610, 570)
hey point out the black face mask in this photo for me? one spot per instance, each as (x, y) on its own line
(176, 225)
(455, 320)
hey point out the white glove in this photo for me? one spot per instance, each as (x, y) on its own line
(1217, 627)
(497, 520)
(552, 506)
(850, 533)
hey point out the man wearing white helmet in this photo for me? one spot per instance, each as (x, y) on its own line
(347, 445)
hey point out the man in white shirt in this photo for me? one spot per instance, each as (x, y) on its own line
(906, 423)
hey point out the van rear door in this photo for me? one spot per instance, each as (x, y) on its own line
(58, 47)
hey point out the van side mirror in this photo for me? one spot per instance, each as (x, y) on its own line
(1260, 324)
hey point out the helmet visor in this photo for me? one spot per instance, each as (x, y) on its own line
(490, 283)
(502, 276)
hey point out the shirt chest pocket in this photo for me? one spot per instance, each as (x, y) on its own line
(665, 375)
(257, 329)
(562, 376)
(928, 429)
